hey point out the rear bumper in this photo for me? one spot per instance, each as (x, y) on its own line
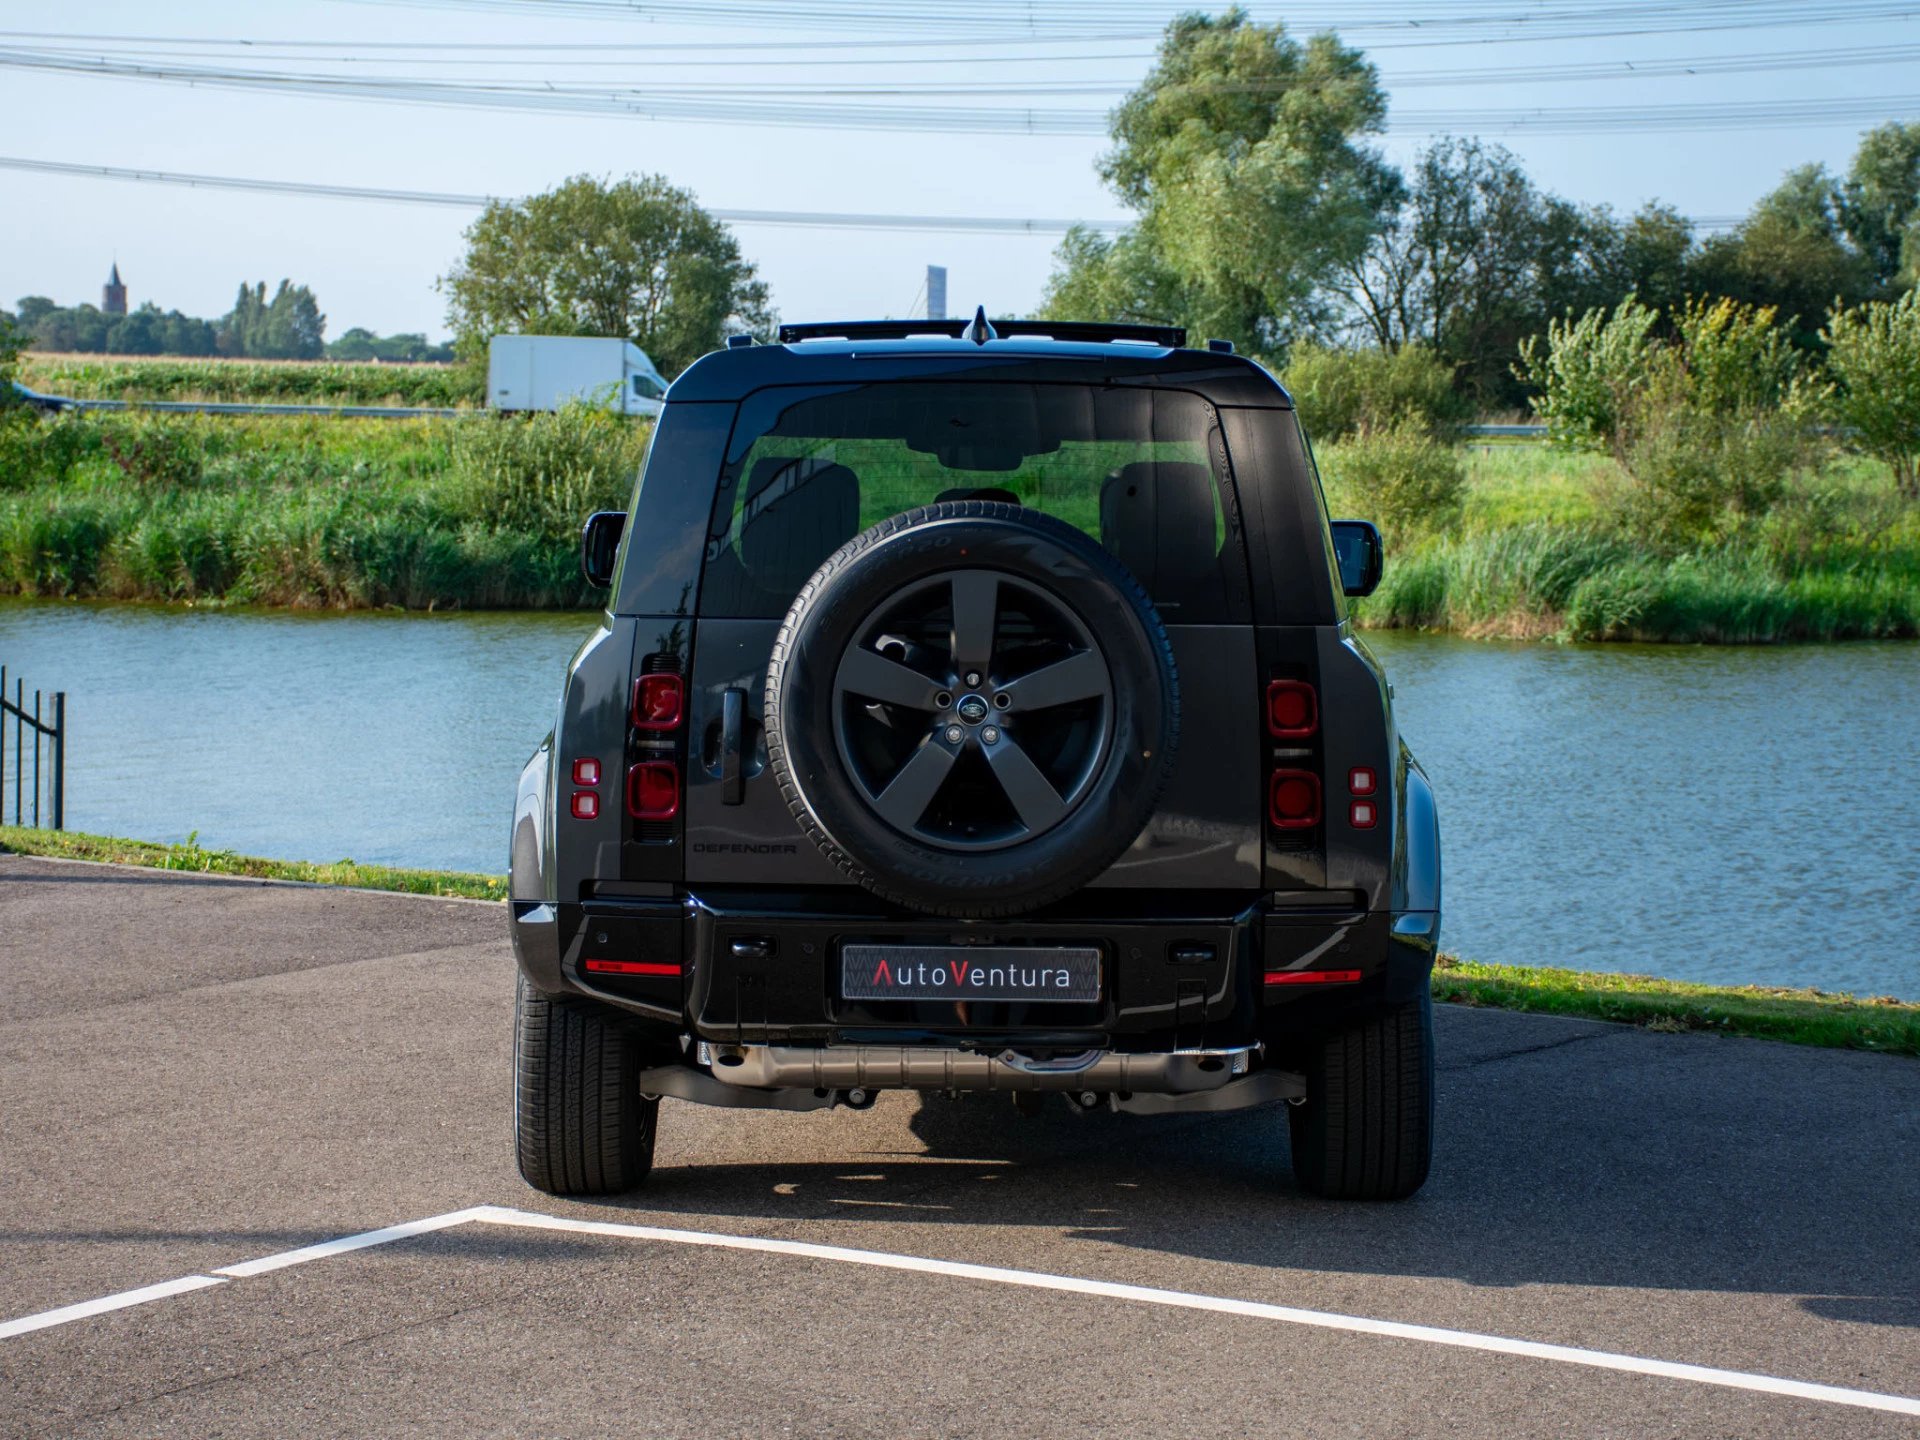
(758, 970)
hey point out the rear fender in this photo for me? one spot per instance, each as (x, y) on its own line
(1416, 858)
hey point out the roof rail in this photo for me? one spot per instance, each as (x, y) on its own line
(870, 330)
(1096, 332)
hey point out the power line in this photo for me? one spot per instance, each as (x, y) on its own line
(1679, 67)
(663, 104)
(827, 220)
(950, 224)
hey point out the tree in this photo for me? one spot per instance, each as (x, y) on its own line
(637, 258)
(1879, 204)
(1873, 359)
(1242, 154)
(1790, 253)
(287, 327)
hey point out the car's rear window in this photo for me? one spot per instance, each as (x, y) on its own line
(1142, 471)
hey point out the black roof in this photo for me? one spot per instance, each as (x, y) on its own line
(855, 352)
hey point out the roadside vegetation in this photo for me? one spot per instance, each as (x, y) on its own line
(265, 382)
(191, 857)
(1714, 485)
(1800, 1017)
(309, 512)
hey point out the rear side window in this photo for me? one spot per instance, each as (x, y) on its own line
(1142, 471)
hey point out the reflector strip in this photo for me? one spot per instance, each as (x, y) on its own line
(1312, 977)
(631, 967)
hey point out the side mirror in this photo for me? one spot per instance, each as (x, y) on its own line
(1356, 545)
(600, 546)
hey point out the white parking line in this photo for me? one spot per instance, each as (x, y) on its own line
(347, 1243)
(994, 1274)
(88, 1308)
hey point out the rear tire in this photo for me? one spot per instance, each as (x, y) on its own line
(1365, 1130)
(581, 1126)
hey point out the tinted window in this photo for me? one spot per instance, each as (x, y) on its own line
(1142, 471)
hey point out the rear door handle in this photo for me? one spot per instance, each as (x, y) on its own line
(733, 721)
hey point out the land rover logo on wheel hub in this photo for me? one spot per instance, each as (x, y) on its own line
(973, 709)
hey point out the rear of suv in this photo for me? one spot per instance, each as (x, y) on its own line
(975, 708)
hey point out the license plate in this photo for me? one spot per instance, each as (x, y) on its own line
(970, 972)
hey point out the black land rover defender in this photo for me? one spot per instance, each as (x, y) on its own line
(974, 709)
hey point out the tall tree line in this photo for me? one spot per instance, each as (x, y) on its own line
(1266, 215)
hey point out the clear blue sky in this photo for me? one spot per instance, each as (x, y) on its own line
(374, 264)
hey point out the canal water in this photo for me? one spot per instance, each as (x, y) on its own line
(1716, 814)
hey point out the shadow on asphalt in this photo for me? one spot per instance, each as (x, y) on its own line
(1604, 1157)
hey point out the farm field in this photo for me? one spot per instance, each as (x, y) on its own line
(277, 382)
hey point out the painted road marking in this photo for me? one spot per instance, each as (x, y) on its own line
(88, 1308)
(993, 1274)
(348, 1243)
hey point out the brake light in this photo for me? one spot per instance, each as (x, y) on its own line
(659, 702)
(586, 772)
(586, 805)
(1293, 709)
(1293, 800)
(631, 967)
(653, 790)
(1311, 977)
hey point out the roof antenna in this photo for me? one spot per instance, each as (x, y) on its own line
(980, 331)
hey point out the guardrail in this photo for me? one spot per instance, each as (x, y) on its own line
(57, 403)
(1506, 432)
(49, 734)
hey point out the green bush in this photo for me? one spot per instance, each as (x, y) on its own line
(1588, 370)
(542, 475)
(1339, 393)
(1399, 477)
(1873, 359)
(1736, 360)
(1691, 476)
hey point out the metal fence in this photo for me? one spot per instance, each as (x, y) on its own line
(33, 780)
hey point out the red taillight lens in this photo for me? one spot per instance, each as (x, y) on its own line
(632, 967)
(653, 790)
(1305, 977)
(1362, 781)
(1363, 814)
(586, 772)
(1293, 709)
(1293, 800)
(586, 805)
(659, 702)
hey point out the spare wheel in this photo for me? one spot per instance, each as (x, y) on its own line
(972, 709)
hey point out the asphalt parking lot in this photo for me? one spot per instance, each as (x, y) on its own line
(198, 1074)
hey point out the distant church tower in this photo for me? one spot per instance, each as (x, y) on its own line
(113, 295)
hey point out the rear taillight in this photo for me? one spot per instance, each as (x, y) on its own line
(1363, 814)
(1293, 800)
(657, 968)
(659, 702)
(586, 805)
(1301, 977)
(586, 772)
(1293, 709)
(1362, 781)
(653, 790)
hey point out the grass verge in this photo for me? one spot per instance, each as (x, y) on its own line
(1799, 1017)
(71, 845)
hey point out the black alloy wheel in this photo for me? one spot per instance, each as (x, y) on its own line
(995, 741)
(972, 709)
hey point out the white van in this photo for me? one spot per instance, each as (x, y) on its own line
(544, 372)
